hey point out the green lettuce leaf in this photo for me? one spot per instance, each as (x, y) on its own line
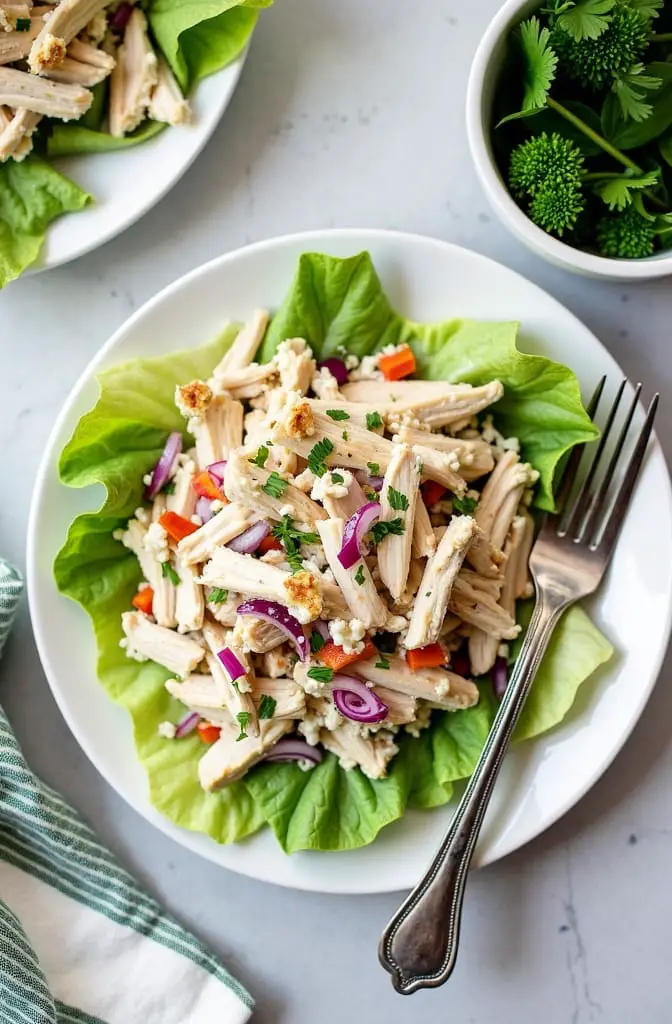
(198, 37)
(332, 302)
(340, 302)
(74, 138)
(32, 195)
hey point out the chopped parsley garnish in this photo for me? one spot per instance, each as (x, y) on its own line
(382, 529)
(318, 455)
(321, 675)
(373, 420)
(382, 662)
(23, 24)
(344, 435)
(261, 456)
(374, 468)
(359, 576)
(275, 486)
(421, 468)
(336, 478)
(316, 641)
(291, 540)
(267, 706)
(168, 488)
(465, 506)
(218, 595)
(397, 500)
(169, 573)
(338, 414)
(243, 719)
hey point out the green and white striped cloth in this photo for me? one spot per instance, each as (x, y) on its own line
(80, 941)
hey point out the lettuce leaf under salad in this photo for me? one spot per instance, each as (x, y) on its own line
(197, 38)
(332, 302)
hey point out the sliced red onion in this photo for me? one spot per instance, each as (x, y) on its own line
(121, 17)
(187, 724)
(277, 615)
(204, 509)
(353, 535)
(322, 628)
(459, 663)
(217, 471)
(293, 749)
(232, 665)
(355, 700)
(247, 542)
(337, 367)
(366, 480)
(164, 467)
(499, 677)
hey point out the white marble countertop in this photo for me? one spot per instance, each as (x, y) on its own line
(351, 113)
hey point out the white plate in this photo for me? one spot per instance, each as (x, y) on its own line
(426, 280)
(128, 183)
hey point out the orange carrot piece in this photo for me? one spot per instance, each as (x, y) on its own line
(205, 487)
(432, 492)
(269, 543)
(176, 526)
(398, 364)
(333, 656)
(143, 600)
(208, 733)
(426, 657)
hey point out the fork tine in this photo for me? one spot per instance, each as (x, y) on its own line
(617, 514)
(597, 500)
(572, 464)
(581, 500)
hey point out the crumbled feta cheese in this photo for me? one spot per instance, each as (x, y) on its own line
(196, 520)
(147, 479)
(217, 505)
(490, 434)
(443, 687)
(326, 487)
(348, 635)
(351, 361)
(143, 515)
(422, 720)
(395, 623)
(310, 728)
(300, 613)
(503, 651)
(325, 385)
(131, 652)
(332, 718)
(367, 369)
(118, 535)
(193, 400)
(156, 542)
(304, 481)
(305, 765)
(287, 510)
(167, 730)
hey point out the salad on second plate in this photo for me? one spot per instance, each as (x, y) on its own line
(339, 551)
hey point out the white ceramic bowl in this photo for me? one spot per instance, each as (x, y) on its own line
(480, 93)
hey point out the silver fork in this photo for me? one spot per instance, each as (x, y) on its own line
(568, 562)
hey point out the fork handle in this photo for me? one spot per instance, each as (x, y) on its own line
(419, 945)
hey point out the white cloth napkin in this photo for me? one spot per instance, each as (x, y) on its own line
(80, 941)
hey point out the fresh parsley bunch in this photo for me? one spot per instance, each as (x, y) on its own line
(584, 123)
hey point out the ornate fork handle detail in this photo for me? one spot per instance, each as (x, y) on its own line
(419, 945)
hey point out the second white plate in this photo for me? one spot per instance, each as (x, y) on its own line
(426, 280)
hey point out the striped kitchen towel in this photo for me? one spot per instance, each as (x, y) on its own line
(80, 941)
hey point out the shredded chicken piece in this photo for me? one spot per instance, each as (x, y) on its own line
(437, 685)
(66, 21)
(244, 483)
(440, 466)
(437, 582)
(75, 72)
(134, 77)
(258, 635)
(228, 523)
(481, 610)
(163, 606)
(10, 14)
(248, 382)
(167, 104)
(21, 90)
(15, 46)
(362, 598)
(247, 341)
(434, 403)
(183, 498)
(200, 693)
(93, 55)
(346, 506)
(357, 413)
(475, 457)
(499, 501)
(372, 754)
(218, 431)
(424, 541)
(189, 598)
(254, 578)
(296, 365)
(229, 758)
(16, 137)
(236, 698)
(144, 638)
(401, 481)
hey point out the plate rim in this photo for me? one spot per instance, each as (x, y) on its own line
(361, 237)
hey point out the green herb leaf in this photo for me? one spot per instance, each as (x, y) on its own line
(321, 675)
(464, 506)
(316, 641)
(626, 133)
(23, 24)
(338, 414)
(218, 595)
(373, 420)
(169, 573)
(267, 706)
(275, 486)
(539, 64)
(261, 456)
(168, 488)
(617, 189)
(344, 435)
(337, 478)
(318, 455)
(630, 90)
(291, 540)
(397, 500)
(243, 719)
(359, 576)
(382, 529)
(647, 8)
(382, 662)
(374, 468)
(586, 19)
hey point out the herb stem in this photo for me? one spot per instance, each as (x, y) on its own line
(661, 37)
(592, 135)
